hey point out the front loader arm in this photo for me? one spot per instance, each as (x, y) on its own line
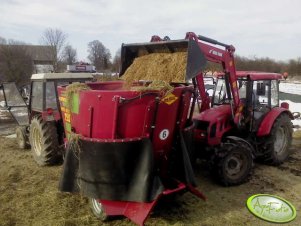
(199, 50)
(225, 57)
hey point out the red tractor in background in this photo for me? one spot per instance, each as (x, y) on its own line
(231, 129)
(40, 121)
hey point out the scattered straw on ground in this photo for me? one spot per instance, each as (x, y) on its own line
(166, 67)
(29, 196)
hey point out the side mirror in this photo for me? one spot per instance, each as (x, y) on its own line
(260, 89)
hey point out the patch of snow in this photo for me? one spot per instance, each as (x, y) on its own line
(11, 136)
(297, 124)
(293, 88)
(4, 114)
(294, 107)
(2, 104)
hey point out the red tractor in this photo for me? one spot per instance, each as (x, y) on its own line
(245, 120)
(40, 121)
(265, 124)
(233, 128)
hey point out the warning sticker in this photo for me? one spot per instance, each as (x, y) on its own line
(63, 99)
(169, 99)
(67, 117)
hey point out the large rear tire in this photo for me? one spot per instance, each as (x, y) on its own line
(277, 145)
(44, 141)
(97, 209)
(233, 163)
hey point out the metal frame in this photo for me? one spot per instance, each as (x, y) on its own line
(15, 106)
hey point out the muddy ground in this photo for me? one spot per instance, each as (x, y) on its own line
(29, 195)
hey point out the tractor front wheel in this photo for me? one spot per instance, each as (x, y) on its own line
(22, 137)
(44, 141)
(233, 163)
(278, 143)
(97, 209)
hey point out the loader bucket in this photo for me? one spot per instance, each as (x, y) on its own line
(196, 60)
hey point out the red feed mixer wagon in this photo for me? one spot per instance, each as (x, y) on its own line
(126, 149)
(132, 147)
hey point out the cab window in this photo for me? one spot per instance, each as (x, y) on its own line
(50, 96)
(220, 93)
(274, 93)
(260, 95)
(37, 95)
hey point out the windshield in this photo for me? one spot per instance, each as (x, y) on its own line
(220, 93)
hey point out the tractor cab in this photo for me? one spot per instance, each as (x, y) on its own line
(39, 117)
(43, 94)
(258, 88)
(259, 92)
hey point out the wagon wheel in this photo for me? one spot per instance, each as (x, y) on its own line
(97, 209)
(44, 141)
(22, 137)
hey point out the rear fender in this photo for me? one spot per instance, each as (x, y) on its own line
(268, 121)
(55, 116)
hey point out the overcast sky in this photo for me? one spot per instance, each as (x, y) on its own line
(261, 28)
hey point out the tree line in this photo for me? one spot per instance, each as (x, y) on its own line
(16, 63)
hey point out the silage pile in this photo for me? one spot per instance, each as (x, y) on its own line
(157, 67)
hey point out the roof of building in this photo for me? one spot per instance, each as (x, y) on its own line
(39, 53)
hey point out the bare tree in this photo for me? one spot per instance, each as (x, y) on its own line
(117, 61)
(99, 55)
(69, 55)
(2, 41)
(55, 38)
(15, 64)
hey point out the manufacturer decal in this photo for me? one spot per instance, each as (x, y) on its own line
(164, 134)
(214, 52)
(169, 99)
(271, 208)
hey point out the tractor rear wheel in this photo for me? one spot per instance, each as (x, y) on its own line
(233, 163)
(97, 209)
(44, 141)
(278, 143)
(22, 137)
